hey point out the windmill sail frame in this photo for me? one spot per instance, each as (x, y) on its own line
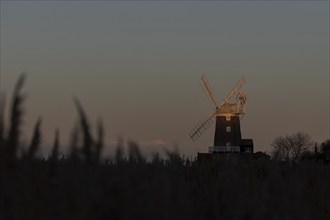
(203, 126)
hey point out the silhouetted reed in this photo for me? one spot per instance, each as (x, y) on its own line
(134, 154)
(100, 141)
(2, 112)
(74, 142)
(85, 128)
(2, 122)
(55, 150)
(9, 146)
(35, 143)
(12, 141)
(119, 152)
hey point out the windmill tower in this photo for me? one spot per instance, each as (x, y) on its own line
(227, 115)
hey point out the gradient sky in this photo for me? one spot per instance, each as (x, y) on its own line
(137, 65)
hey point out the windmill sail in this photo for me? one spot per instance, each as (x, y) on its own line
(235, 90)
(201, 127)
(205, 85)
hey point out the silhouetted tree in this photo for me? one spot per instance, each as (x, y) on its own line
(291, 147)
(325, 148)
(325, 144)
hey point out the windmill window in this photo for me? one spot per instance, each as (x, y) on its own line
(228, 129)
(227, 117)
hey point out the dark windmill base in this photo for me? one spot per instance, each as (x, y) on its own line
(228, 142)
(243, 151)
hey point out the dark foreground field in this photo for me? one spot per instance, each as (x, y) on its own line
(81, 186)
(164, 189)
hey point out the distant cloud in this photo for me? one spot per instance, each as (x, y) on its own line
(154, 142)
(142, 143)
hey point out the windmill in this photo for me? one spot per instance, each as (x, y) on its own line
(227, 137)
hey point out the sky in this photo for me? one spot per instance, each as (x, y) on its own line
(137, 66)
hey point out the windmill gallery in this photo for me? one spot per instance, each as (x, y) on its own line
(227, 115)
